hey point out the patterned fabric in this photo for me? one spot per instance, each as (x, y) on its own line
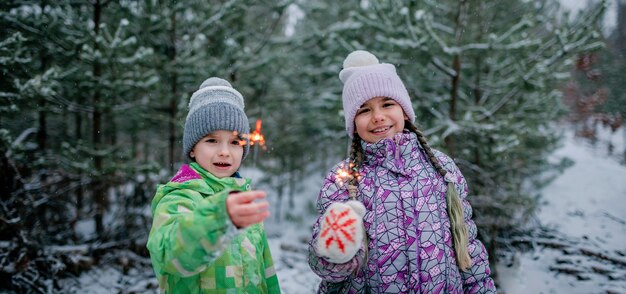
(195, 248)
(410, 244)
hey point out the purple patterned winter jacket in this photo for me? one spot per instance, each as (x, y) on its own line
(410, 244)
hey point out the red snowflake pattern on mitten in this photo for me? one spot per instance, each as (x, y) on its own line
(337, 227)
(341, 231)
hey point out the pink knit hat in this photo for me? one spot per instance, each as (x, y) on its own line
(364, 78)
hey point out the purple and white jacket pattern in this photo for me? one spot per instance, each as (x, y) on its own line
(410, 244)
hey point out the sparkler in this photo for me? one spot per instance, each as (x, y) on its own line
(256, 137)
(344, 176)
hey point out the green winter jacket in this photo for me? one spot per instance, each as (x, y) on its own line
(195, 248)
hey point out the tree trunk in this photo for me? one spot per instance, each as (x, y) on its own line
(42, 130)
(621, 28)
(134, 149)
(491, 252)
(454, 92)
(97, 185)
(173, 94)
(478, 61)
(292, 189)
(112, 132)
(42, 133)
(79, 190)
(144, 150)
(279, 193)
(477, 95)
(456, 65)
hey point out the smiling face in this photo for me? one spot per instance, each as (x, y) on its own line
(219, 153)
(379, 118)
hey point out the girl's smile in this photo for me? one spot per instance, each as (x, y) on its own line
(379, 118)
(381, 131)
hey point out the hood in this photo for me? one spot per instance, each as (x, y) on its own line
(193, 177)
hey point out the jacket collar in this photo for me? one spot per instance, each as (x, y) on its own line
(400, 154)
(219, 184)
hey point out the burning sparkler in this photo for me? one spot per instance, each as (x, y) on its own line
(256, 136)
(344, 175)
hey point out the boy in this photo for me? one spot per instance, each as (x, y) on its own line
(207, 235)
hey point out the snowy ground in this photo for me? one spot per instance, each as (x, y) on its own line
(288, 241)
(585, 207)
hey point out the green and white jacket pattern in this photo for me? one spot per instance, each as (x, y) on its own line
(195, 248)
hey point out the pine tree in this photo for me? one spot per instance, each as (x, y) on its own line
(483, 76)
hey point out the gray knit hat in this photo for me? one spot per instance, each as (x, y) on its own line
(215, 106)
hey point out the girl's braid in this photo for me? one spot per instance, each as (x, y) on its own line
(354, 164)
(453, 201)
(431, 156)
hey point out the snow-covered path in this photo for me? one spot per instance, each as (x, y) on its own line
(586, 205)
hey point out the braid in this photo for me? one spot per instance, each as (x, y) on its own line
(431, 156)
(453, 201)
(354, 164)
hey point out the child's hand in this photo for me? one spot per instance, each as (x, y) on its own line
(341, 231)
(243, 210)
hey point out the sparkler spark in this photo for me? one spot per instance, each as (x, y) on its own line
(256, 137)
(344, 175)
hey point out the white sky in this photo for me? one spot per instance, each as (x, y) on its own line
(577, 5)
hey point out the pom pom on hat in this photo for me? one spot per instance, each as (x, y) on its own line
(360, 58)
(216, 105)
(365, 78)
(213, 81)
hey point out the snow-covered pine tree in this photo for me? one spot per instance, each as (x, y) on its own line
(179, 32)
(483, 76)
(35, 117)
(113, 77)
(498, 118)
(13, 60)
(56, 86)
(304, 125)
(37, 204)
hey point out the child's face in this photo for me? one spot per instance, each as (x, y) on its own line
(379, 118)
(219, 152)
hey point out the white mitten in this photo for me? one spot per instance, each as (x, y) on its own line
(341, 231)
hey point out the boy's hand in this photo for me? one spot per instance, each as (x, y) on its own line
(244, 210)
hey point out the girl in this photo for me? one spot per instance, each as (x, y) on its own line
(405, 229)
(207, 235)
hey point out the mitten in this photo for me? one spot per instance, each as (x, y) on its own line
(341, 231)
